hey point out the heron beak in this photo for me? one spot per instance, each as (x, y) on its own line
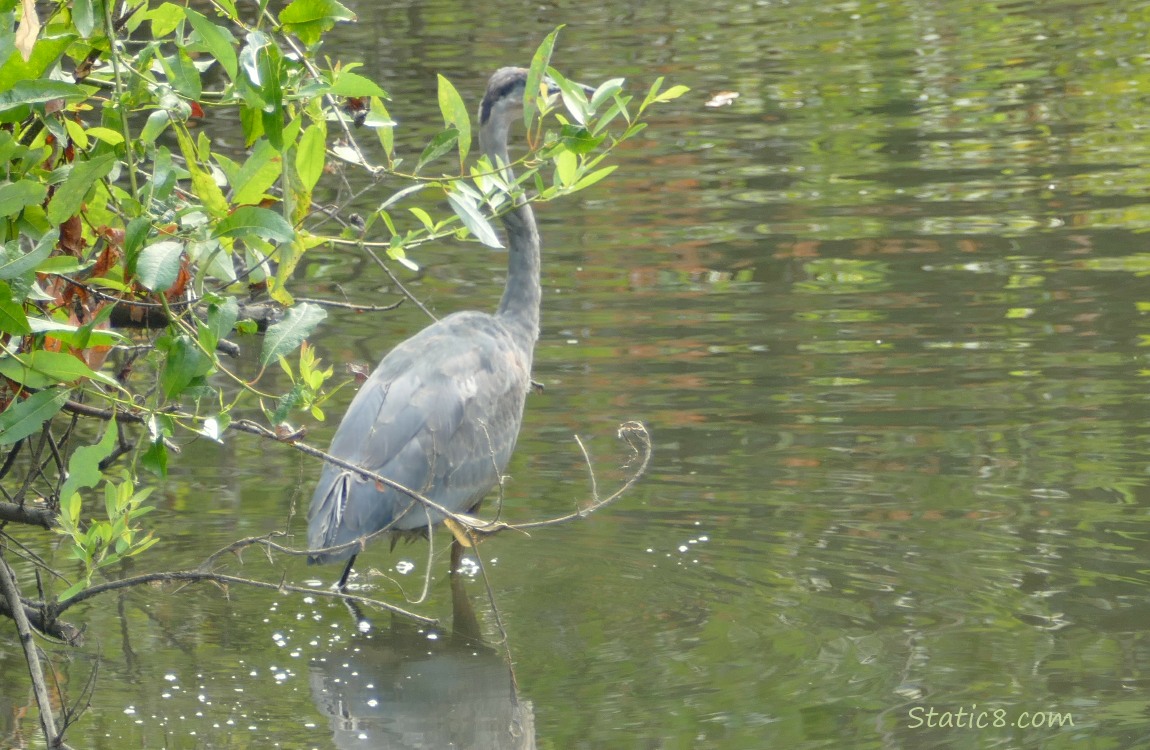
(553, 88)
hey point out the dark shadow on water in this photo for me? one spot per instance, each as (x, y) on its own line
(402, 687)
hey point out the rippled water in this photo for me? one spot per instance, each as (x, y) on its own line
(884, 317)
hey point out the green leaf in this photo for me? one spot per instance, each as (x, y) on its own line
(285, 336)
(182, 74)
(16, 196)
(70, 196)
(439, 145)
(218, 41)
(566, 168)
(158, 266)
(258, 174)
(311, 155)
(45, 53)
(455, 115)
(605, 92)
(466, 209)
(87, 15)
(576, 138)
(672, 93)
(84, 465)
(107, 135)
(309, 19)
(165, 18)
(38, 92)
(353, 84)
(222, 317)
(203, 184)
(13, 266)
(156, 123)
(249, 220)
(155, 459)
(23, 418)
(12, 317)
(74, 335)
(386, 132)
(539, 64)
(184, 363)
(40, 369)
(573, 96)
(589, 180)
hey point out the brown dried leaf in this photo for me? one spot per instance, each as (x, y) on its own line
(28, 31)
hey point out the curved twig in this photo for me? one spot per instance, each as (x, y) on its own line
(202, 575)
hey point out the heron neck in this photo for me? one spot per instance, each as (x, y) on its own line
(519, 306)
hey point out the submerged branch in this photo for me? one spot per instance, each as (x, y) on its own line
(220, 578)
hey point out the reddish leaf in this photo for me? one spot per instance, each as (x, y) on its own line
(71, 237)
(176, 290)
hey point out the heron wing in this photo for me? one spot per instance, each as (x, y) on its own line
(439, 415)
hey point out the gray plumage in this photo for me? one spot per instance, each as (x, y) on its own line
(441, 412)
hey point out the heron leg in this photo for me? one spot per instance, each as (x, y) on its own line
(456, 556)
(346, 574)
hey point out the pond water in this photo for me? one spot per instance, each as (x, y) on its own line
(885, 317)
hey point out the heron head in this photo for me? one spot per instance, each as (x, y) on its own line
(503, 102)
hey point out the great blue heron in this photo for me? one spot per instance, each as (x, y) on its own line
(441, 412)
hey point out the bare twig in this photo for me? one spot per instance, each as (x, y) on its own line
(11, 594)
(639, 441)
(349, 305)
(220, 578)
(395, 280)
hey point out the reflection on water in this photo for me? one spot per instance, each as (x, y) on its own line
(406, 687)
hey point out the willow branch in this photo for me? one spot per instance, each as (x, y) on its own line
(201, 575)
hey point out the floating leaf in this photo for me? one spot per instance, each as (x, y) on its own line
(24, 418)
(721, 99)
(285, 336)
